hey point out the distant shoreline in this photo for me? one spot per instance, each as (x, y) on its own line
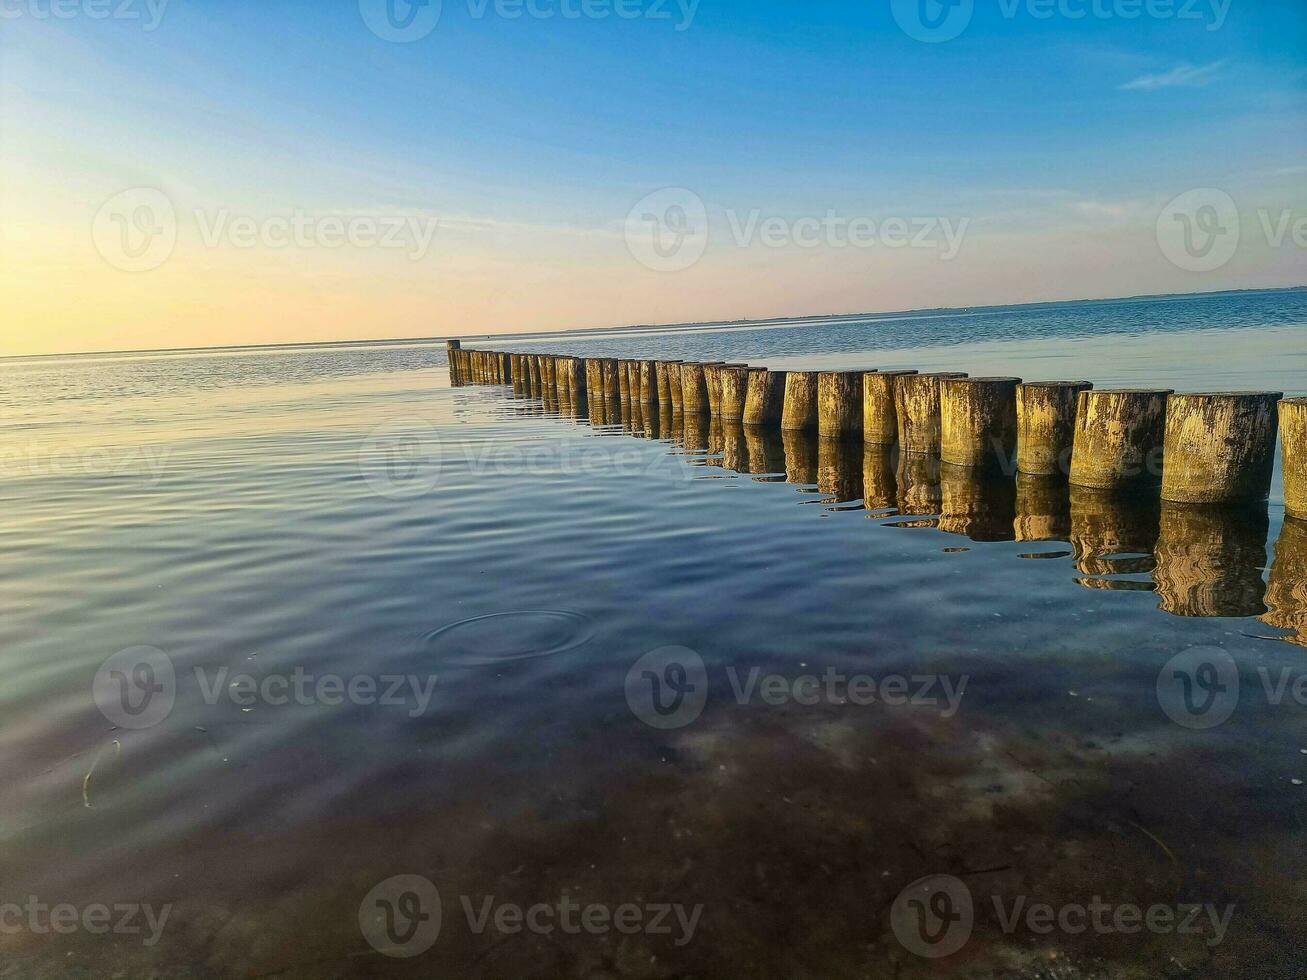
(651, 327)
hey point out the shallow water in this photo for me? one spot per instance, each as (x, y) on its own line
(504, 569)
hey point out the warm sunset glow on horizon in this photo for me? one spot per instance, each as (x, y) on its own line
(365, 193)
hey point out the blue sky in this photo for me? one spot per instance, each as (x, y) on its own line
(530, 139)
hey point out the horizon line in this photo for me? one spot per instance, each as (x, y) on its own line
(641, 326)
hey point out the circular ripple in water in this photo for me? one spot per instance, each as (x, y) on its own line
(509, 636)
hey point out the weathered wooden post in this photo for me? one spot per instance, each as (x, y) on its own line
(800, 455)
(978, 422)
(576, 381)
(839, 403)
(880, 419)
(976, 503)
(1219, 448)
(800, 411)
(1046, 426)
(505, 370)
(1113, 534)
(1286, 595)
(562, 369)
(674, 385)
(839, 468)
(1119, 438)
(734, 383)
(916, 403)
(712, 377)
(648, 382)
(663, 379)
(764, 401)
(624, 378)
(1210, 559)
(1293, 439)
(612, 388)
(1043, 508)
(694, 389)
(594, 381)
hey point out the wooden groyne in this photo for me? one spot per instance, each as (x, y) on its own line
(1208, 449)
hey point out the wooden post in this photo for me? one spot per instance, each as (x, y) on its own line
(839, 403)
(624, 378)
(1220, 448)
(663, 377)
(1210, 559)
(1043, 508)
(712, 377)
(1119, 438)
(1286, 594)
(764, 401)
(879, 489)
(978, 422)
(734, 384)
(674, 385)
(800, 411)
(1046, 426)
(976, 504)
(800, 456)
(916, 403)
(562, 367)
(880, 420)
(694, 389)
(648, 382)
(1113, 534)
(576, 381)
(1293, 439)
(612, 389)
(594, 381)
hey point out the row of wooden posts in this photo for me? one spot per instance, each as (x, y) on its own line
(1209, 448)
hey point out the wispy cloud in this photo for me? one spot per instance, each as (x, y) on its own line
(1182, 76)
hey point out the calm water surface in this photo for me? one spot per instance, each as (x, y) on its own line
(247, 514)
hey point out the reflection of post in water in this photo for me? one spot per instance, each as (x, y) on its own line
(839, 466)
(714, 442)
(735, 452)
(1210, 559)
(975, 503)
(800, 455)
(879, 488)
(1043, 509)
(765, 448)
(1113, 534)
(1286, 597)
(694, 432)
(667, 428)
(918, 484)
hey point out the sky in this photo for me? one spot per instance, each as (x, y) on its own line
(179, 173)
